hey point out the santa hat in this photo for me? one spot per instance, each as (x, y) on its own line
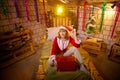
(69, 28)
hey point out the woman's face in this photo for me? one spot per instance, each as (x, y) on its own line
(63, 33)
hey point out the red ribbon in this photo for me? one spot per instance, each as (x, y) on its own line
(36, 10)
(26, 8)
(116, 18)
(84, 15)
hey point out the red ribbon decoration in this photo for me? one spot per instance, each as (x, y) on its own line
(116, 18)
(26, 8)
(84, 15)
(36, 10)
(16, 7)
(45, 13)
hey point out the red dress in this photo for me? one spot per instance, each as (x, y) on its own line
(56, 48)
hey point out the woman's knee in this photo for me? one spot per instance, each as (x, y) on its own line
(74, 48)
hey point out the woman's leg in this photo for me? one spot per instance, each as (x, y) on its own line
(75, 51)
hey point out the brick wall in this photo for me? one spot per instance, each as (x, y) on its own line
(8, 21)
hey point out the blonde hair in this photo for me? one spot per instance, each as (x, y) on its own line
(67, 34)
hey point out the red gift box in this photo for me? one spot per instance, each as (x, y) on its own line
(66, 63)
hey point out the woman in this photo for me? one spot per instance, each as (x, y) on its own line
(61, 43)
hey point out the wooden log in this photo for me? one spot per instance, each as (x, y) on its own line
(19, 44)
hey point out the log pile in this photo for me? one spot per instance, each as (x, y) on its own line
(15, 46)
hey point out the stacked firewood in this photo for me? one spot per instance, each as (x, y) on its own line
(14, 44)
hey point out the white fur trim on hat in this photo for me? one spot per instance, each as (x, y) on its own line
(62, 27)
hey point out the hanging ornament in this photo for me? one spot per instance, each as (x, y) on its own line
(16, 7)
(26, 8)
(36, 10)
(91, 23)
(84, 15)
(45, 13)
(102, 16)
(3, 6)
(91, 26)
(116, 18)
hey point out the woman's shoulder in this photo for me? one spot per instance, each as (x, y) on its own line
(70, 38)
(55, 39)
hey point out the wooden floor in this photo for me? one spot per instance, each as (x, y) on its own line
(22, 70)
(108, 68)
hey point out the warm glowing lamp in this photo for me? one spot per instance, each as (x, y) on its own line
(59, 10)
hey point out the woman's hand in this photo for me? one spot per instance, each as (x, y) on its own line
(55, 63)
(73, 34)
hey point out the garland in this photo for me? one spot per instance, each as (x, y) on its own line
(116, 18)
(102, 16)
(26, 8)
(16, 7)
(91, 25)
(36, 10)
(84, 15)
(3, 6)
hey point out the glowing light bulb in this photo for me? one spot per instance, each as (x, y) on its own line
(60, 10)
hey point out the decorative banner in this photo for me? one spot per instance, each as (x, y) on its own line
(102, 16)
(3, 6)
(84, 15)
(45, 13)
(16, 6)
(26, 8)
(36, 10)
(116, 18)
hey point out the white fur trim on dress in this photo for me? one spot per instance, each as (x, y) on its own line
(62, 45)
(51, 59)
(78, 41)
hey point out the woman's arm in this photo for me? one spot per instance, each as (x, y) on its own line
(74, 43)
(74, 40)
(54, 47)
(53, 52)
